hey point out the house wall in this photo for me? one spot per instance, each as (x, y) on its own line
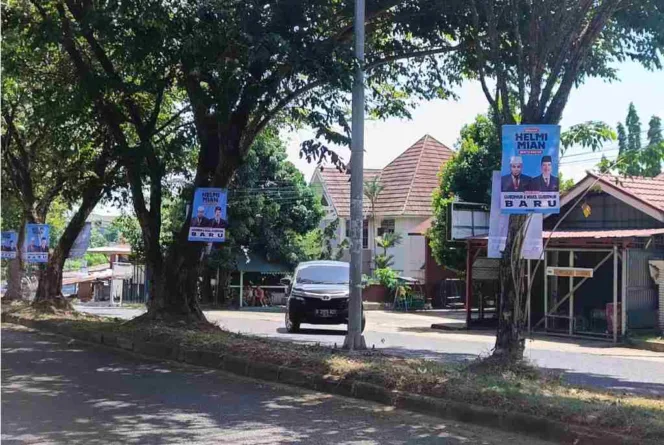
(409, 256)
(642, 292)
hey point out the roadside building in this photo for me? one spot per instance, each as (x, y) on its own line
(614, 231)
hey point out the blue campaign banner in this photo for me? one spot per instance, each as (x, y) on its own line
(208, 221)
(82, 242)
(529, 173)
(35, 246)
(9, 244)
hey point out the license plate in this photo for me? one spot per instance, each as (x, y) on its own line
(326, 312)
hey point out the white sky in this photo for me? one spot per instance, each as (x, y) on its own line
(594, 100)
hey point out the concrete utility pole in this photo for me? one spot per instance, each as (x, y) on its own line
(354, 338)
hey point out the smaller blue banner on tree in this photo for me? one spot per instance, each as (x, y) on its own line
(36, 245)
(529, 173)
(82, 242)
(208, 216)
(9, 245)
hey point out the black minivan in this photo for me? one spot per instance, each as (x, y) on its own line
(318, 294)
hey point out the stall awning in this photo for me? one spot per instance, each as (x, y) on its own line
(120, 249)
(257, 263)
(594, 234)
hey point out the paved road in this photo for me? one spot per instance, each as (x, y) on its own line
(59, 392)
(589, 363)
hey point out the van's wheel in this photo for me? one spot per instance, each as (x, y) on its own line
(292, 326)
(364, 323)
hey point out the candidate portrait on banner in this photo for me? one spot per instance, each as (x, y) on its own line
(36, 245)
(529, 172)
(9, 242)
(209, 221)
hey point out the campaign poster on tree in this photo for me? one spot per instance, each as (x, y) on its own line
(529, 172)
(9, 242)
(82, 242)
(208, 216)
(36, 243)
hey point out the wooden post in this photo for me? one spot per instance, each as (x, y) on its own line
(469, 283)
(615, 293)
(546, 294)
(241, 287)
(625, 277)
(529, 294)
(571, 295)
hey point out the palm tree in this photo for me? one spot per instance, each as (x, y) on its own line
(387, 241)
(372, 189)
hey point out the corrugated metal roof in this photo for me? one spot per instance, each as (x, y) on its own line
(120, 249)
(596, 234)
(625, 233)
(257, 263)
(408, 181)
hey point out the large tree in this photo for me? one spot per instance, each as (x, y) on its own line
(242, 65)
(528, 55)
(52, 148)
(466, 177)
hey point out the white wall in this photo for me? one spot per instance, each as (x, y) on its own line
(409, 255)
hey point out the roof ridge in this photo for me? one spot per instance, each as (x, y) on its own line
(417, 166)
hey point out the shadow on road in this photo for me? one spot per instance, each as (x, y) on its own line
(57, 392)
(612, 384)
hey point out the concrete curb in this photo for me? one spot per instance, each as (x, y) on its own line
(447, 409)
(647, 345)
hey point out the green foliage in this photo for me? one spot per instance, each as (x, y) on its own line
(653, 154)
(635, 160)
(386, 277)
(385, 242)
(566, 184)
(383, 261)
(591, 134)
(467, 176)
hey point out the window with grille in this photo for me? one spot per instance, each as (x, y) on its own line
(386, 226)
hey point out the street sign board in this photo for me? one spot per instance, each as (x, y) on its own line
(582, 272)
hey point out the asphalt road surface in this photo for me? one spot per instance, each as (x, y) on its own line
(586, 363)
(55, 391)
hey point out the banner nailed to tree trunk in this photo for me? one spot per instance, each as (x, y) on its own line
(209, 221)
(529, 181)
(37, 237)
(9, 242)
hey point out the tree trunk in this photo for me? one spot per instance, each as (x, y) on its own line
(50, 282)
(15, 269)
(173, 284)
(510, 344)
(206, 285)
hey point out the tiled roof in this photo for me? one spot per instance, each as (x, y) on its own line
(337, 185)
(648, 190)
(408, 181)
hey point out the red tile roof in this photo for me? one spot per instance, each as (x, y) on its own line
(337, 185)
(648, 190)
(408, 181)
